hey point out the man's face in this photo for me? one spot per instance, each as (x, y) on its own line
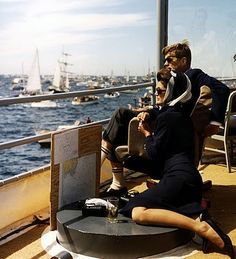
(174, 63)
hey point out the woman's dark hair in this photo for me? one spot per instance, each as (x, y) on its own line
(164, 75)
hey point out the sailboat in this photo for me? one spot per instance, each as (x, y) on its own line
(60, 82)
(34, 86)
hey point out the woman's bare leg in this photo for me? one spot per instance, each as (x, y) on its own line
(163, 217)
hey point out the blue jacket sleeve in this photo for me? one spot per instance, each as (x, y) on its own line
(157, 144)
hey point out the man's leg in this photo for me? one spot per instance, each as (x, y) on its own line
(116, 134)
(105, 150)
(117, 187)
(117, 176)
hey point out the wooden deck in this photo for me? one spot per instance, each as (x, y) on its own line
(223, 208)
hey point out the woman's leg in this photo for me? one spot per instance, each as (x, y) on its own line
(164, 217)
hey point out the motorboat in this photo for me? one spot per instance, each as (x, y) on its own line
(47, 142)
(84, 100)
(112, 95)
(18, 83)
(145, 100)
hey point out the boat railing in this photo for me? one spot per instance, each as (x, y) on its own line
(35, 138)
(50, 96)
(37, 98)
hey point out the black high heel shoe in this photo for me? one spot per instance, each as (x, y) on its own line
(228, 247)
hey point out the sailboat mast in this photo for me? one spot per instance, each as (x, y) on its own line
(23, 74)
(65, 77)
(37, 60)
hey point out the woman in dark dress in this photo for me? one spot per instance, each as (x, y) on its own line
(170, 148)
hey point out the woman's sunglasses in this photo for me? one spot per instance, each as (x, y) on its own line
(159, 91)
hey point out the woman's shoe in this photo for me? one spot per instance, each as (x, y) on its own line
(204, 216)
(228, 247)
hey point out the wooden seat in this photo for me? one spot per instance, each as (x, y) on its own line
(135, 144)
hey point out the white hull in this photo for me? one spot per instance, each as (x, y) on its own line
(44, 104)
(85, 100)
(23, 198)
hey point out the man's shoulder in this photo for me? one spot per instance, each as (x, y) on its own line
(194, 72)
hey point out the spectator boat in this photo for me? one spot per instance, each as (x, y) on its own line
(26, 201)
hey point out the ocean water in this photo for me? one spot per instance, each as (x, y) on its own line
(18, 121)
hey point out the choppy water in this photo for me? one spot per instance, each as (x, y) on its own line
(18, 121)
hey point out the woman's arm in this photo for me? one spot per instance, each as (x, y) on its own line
(156, 143)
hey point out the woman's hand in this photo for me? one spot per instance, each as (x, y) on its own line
(143, 116)
(144, 128)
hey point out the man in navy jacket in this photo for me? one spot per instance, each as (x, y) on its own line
(207, 107)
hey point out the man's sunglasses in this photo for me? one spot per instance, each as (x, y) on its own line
(170, 59)
(159, 91)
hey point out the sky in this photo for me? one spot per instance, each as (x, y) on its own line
(113, 36)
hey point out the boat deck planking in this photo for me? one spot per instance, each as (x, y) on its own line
(223, 208)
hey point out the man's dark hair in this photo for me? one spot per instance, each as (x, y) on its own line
(180, 50)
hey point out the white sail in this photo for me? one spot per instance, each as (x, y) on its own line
(57, 76)
(61, 80)
(33, 85)
(127, 77)
(67, 85)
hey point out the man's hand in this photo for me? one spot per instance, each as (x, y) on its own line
(211, 129)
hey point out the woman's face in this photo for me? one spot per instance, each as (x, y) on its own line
(160, 92)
